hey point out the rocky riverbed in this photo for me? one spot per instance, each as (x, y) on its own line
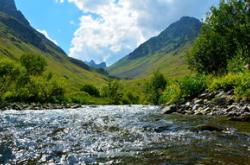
(37, 106)
(218, 103)
(120, 135)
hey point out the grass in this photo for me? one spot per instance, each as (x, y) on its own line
(171, 65)
(73, 76)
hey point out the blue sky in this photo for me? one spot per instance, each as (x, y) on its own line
(106, 30)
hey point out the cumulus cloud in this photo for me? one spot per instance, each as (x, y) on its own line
(59, 1)
(109, 29)
(46, 34)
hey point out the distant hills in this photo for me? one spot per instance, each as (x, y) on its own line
(165, 52)
(101, 65)
(18, 37)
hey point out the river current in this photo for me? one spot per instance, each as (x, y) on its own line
(119, 135)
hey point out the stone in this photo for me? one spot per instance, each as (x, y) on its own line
(220, 101)
(220, 94)
(161, 129)
(198, 101)
(196, 106)
(188, 104)
(231, 92)
(169, 109)
(246, 109)
(242, 118)
(231, 108)
(75, 106)
(207, 127)
(204, 96)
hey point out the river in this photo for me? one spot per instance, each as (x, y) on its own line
(119, 135)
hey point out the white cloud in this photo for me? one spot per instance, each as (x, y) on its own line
(109, 29)
(59, 1)
(46, 34)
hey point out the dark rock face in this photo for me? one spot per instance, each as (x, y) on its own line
(9, 7)
(176, 35)
(19, 26)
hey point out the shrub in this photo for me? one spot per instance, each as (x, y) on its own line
(237, 64)
(242, 90)
(226, 83)
(78, 97)
(131, 99)
(172, 94)
(91, 90)
(113, 91)
(155, 87)
(191, 86)
(9, 72)
(38, 89)
(34, 64)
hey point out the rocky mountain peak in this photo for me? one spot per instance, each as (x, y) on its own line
(9, 7)
(93, 64)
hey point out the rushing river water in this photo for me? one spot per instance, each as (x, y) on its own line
(119, 135)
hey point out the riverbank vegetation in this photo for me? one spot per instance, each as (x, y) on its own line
(220, 57)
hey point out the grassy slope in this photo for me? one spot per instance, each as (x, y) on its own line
(73, 76)
(172, 64)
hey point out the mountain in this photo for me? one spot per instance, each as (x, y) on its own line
(18, 37)
(92, 64)
(165, 52)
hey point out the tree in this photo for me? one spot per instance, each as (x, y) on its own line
(9, 72)
(34, 64)
(155, 87)
(225, 32)
(113, 92)
(91, 90)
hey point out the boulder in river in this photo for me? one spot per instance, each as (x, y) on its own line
(169, 109)
(207, 127)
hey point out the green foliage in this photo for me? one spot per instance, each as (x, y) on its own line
(186, 88)
(91, 90)
(23, 85)
(130, 98)
(225, 32)
(113, 91)
(34, 64)
(155, 87)
(226, 82)
(9, 72)
(191, 86)
(239, 82)
(237, 64)
(172, 94)
(242, 90)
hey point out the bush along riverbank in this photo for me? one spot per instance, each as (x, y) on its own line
(217, 103)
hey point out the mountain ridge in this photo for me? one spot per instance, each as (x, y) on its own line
(9, 7)
(18, 37)
(174, 40)
(93, 64)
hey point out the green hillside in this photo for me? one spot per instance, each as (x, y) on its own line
(17, 37)
(164, 53)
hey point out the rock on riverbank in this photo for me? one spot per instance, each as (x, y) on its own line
(218, 103)
(37, 106)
